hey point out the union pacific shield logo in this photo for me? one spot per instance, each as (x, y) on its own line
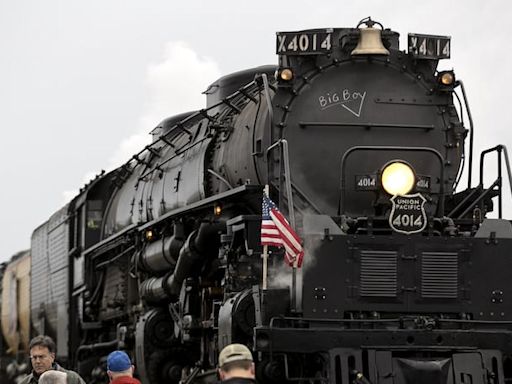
(408, 213)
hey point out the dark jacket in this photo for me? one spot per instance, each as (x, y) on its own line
(239, 380)
(73, 377)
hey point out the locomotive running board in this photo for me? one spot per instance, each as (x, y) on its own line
(201, 204)
(113, 241)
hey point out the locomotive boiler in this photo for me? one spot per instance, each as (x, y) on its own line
(362, 146)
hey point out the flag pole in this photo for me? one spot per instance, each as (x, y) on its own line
(265, 266)
(294, 269)
(264, 256)
(294, 285)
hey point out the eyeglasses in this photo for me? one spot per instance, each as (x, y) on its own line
(39, 357)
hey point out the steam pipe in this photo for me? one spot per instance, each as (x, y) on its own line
(195, 249)
(114, 344)
(161, 255)
(152, 291)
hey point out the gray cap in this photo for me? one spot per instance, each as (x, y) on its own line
(234, 352)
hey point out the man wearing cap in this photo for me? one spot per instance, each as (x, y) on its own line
(120, 368)
(236, 365)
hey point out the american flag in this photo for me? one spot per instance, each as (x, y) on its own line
(276, 231)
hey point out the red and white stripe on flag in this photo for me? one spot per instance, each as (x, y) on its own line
(276, 231)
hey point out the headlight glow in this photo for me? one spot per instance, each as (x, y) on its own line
(286, 74)
(446, 78)
(398, 178)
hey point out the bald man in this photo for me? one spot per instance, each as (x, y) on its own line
(53, 377)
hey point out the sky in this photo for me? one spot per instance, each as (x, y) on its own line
(82, 83)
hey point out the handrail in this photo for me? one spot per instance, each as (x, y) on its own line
(470, 118)
(463, 202)
(244, 92)
(282, 143)
(499, 181)
(485, 192)
(287, 175)
(266, 91)
(509, 171)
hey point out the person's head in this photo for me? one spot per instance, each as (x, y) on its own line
(119, 364)
(235, 360)
(42, 353)
(53, 377)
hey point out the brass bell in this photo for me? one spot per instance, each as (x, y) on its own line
(370, 40)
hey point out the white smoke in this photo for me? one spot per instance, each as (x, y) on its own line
(281, 275)
(173, 85)
(69, 194)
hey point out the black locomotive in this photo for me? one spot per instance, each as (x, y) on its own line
(362, 146)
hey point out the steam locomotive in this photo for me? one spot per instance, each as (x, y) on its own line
(362, 146)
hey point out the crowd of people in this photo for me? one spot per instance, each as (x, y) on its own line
(236, 366)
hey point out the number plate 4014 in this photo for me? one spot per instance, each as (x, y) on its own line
(303, 43)
(429, 46)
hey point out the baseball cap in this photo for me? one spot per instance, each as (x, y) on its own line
(118, 361)
(234, 352)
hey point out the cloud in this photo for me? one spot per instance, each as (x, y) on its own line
(176, 82)
(173, 85)
(69, 194)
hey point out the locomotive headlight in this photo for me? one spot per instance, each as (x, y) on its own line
(286, 74)
(446, 78)
(398, 178)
